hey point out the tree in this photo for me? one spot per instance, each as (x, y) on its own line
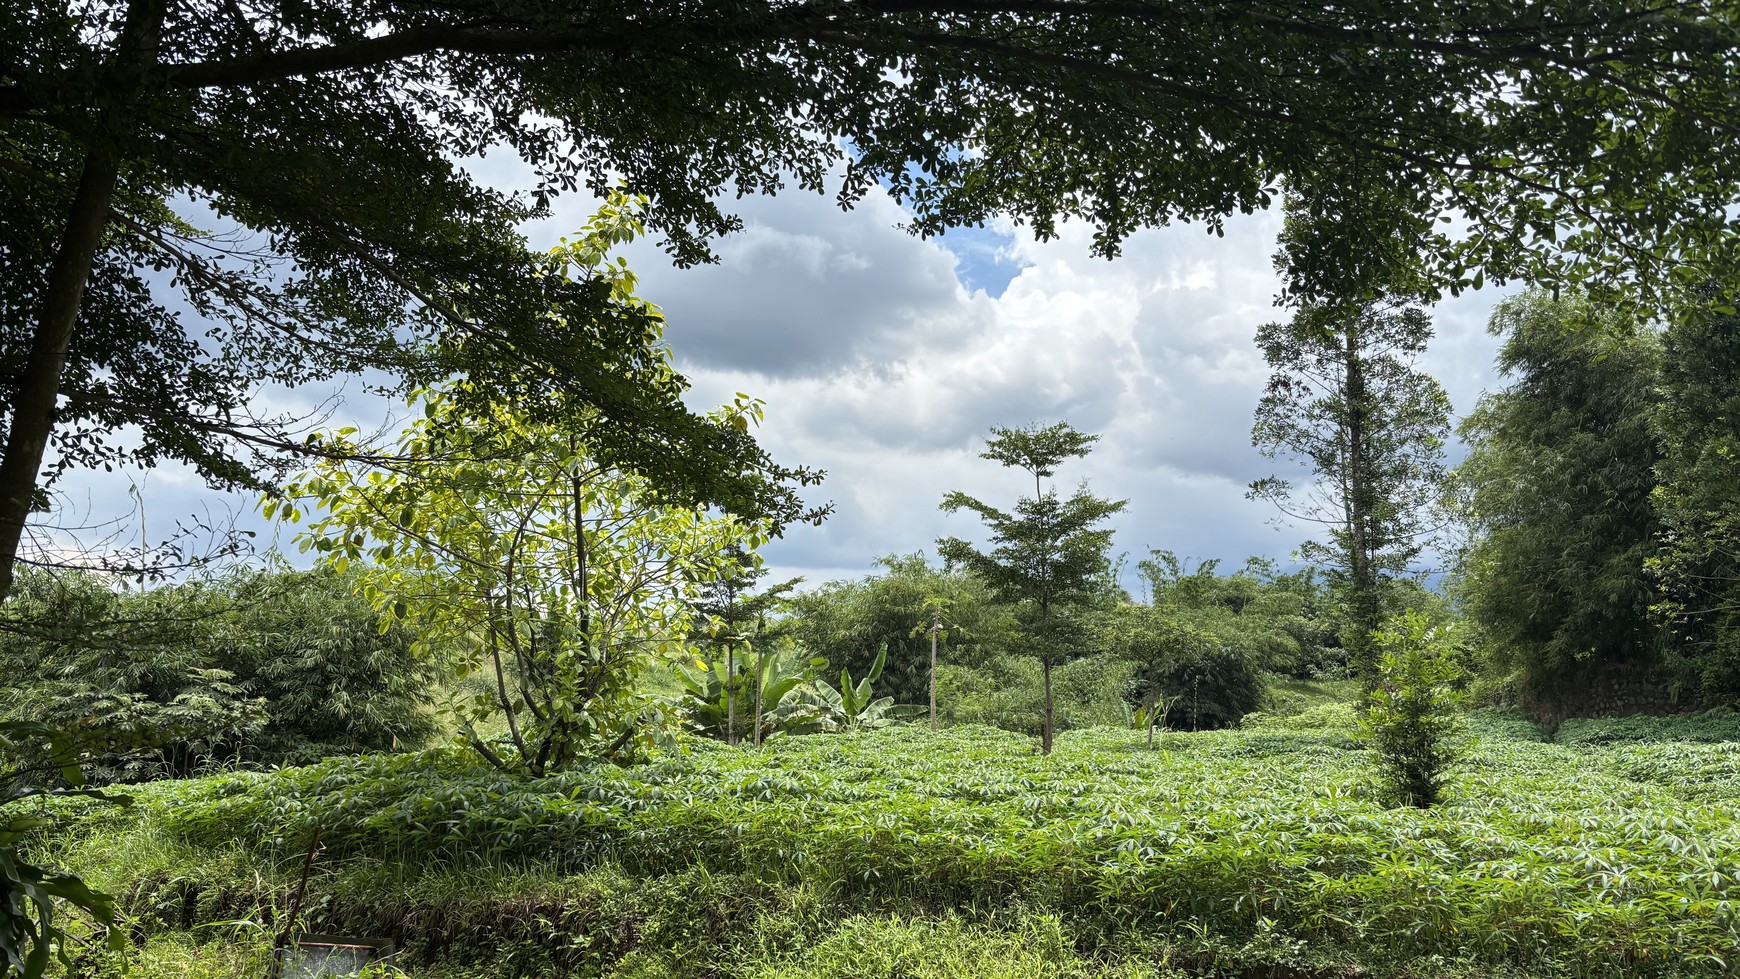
(1555, 492)
(1119, 114)
(1283, 623)
(1697, 499)
(1411, 720)
(333, 681)
(1185, 676)
(1346, 399)
(131, 678)
(510, 545)
(1048, 556)
(516, 541)
(251, 668)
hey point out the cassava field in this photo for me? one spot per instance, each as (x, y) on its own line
(1611, 850)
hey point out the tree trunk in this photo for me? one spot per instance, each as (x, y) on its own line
(1045, 738)
(32, 418)
(760, 682)
(1362, 580)
(730, 692)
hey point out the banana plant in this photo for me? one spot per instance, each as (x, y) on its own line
(854, 706)
(781, 672)
(855, 699)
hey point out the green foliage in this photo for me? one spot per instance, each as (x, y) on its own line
(333, 681)
(1189, 678)
(781, 674)
(1555, 492)
(38, 762)
(1411, 718)
(209, 954)
(253, 668)
(850, 622)
(518, 549)
(1322, 717)
(1346, 399)
(142, 104)
(859, 707)
(730, 618)
(133, 676)
(1004, 691)
(1715, 726)
(877, 947)
(1263, 850)
(1008, 692)
(1287, 623)
(1048, 556)
(794, 699)
(1698, 502)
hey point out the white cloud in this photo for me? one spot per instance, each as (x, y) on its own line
(894, 398)
(880, 365)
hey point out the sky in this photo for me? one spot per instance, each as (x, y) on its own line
(885, 359)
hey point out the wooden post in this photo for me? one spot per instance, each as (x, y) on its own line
(935, 628)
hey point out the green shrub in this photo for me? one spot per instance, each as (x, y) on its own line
(1198, 681)
(1411, 719)
(1004, 691)
(1090, 692)
(332, 680)
(126, 675)
(256, 669)
(1008, 692)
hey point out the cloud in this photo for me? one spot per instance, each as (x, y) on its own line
(805, 290)
(885, 359)
(1152, 351)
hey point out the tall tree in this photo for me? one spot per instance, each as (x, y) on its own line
(556, 577)
(1048, 555)
(1346, 399)
(366, 245)
(510, 539)
(1555, 491)
(1698, 502)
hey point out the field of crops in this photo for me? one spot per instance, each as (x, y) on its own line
(1614, 851)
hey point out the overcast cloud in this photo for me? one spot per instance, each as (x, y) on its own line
(885, 359)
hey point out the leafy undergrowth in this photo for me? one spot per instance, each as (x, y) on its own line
(1259, 852)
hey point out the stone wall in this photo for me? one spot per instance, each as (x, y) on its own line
(1612, 690)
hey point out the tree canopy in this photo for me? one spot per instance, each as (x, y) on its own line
(1555, 492)
(1576, 140)
(1697, 498)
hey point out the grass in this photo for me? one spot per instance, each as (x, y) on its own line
(900, 853)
